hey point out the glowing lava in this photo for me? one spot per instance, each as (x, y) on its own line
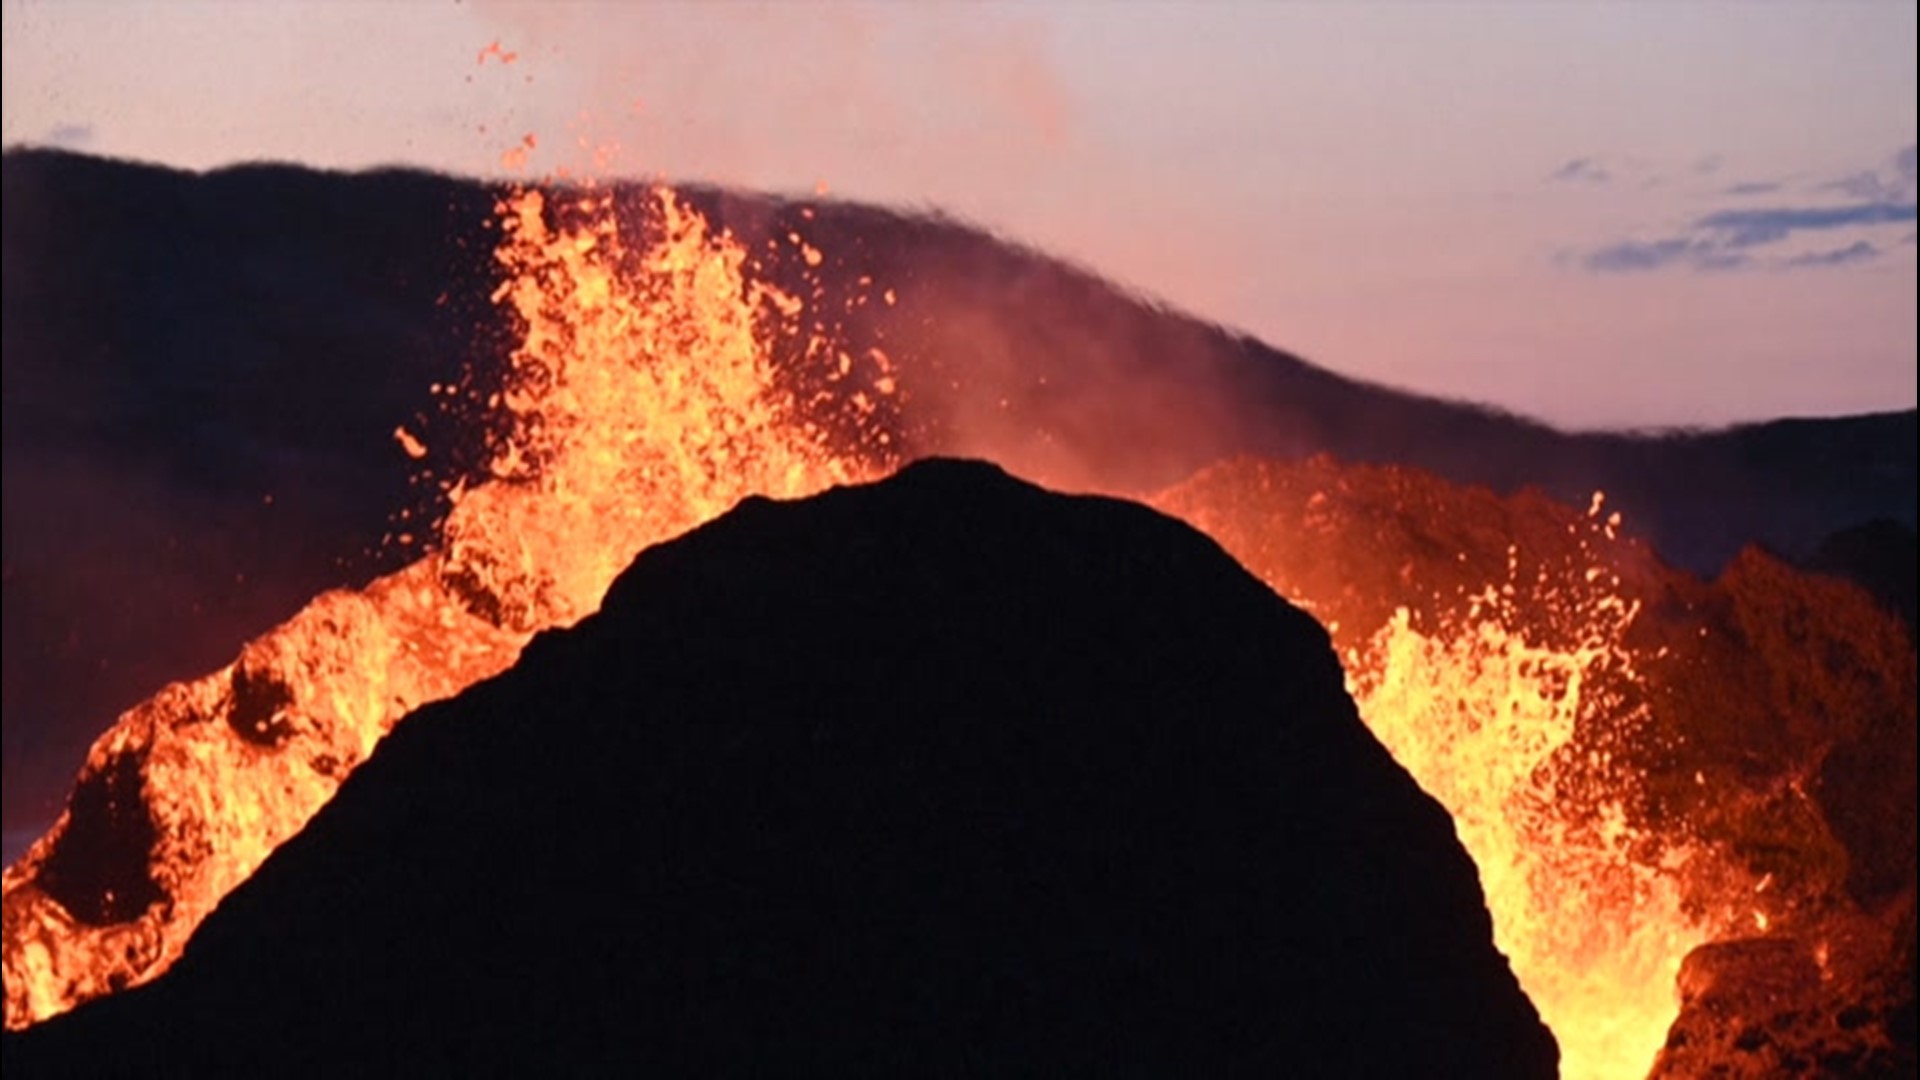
(1484, 718)
(642, 401)
(1500, 673)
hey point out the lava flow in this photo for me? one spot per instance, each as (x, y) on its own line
(642, 400)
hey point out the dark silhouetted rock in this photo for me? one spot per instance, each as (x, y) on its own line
(942, 774)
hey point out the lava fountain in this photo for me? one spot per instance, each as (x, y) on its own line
(642, 400)
(1501, 672)
(1591, 910)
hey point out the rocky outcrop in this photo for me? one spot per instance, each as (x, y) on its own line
(944, 772)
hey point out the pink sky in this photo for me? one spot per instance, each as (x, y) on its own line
(1600, 214)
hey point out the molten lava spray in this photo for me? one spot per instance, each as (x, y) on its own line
(1485, 720)
(1507, 688)
(642, 401)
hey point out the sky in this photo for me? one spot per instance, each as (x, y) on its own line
(1600, 214)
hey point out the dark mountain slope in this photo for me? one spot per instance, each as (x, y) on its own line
(941, 774)
(1882, 557)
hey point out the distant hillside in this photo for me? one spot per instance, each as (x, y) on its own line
(203, 374)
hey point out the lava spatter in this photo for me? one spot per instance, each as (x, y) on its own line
(642, 400)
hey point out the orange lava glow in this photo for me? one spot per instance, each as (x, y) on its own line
(1484, 718)
(642, 401)
(1504, 695)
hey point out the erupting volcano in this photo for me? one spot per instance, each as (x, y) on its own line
(1644, 766)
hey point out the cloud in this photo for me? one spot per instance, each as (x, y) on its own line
(1630, 256)
(69, 136)
(1738, 235)
(1857, 252)
(1717, 259)
(1751, 228)
(1724, 239)
(1891, 181)
(1866, 185)
(1581, 170)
